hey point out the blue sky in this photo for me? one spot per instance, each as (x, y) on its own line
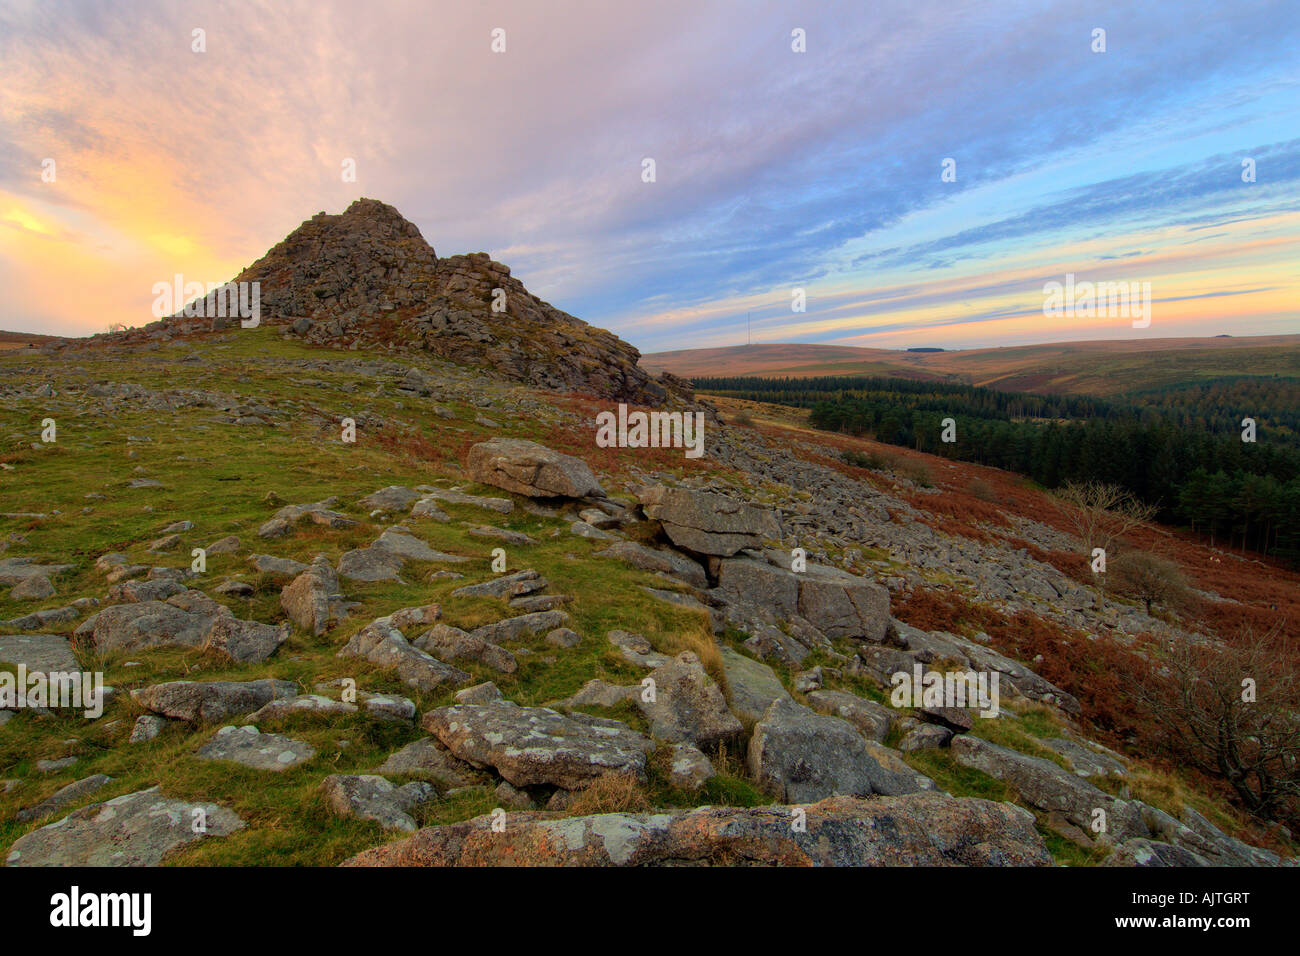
(775, 170)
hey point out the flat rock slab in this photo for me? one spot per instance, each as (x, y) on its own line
(211, 700)
(247, 746)
(513, 628)
(665, 562)
(873, 720)
(185, 619)
(535, 745)
(506, 586)
(64, 797)
(527, 468)
(40, 653)
(392, 498)
(137, 829)
(916, 830)
(453, 497)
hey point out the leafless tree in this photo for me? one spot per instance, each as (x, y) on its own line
(1101, 513)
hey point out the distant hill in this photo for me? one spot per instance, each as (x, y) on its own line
(21, 340)
(1095, 368)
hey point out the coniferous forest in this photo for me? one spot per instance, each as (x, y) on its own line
(1180, 448)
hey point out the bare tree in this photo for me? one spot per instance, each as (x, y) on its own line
(1102, 513)
(1233, 711)
(1150, 578)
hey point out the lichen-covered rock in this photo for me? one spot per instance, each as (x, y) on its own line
(917, 830)
(137, 829)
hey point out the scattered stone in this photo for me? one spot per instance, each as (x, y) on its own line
(370, 564)
(513, 628)
(507, 586)
(428, 759)
(269, 564)
(35, 587)
(169, 543)
(925, 737)
(563, 637)
(54, 766)
(636, 649)
(502, 534)
(227, 545)
(384, 645)
(147, 727)
(392, 498)
(483, 693)
(452, 644)
(307, 598)
(689, 769)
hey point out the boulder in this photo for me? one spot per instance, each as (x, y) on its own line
(801, 756)
(708, 523)
(687, 706)
(210, 700)
(527, 468)
(752, 685)
(371, 797)
(918, 830)
(306, 599)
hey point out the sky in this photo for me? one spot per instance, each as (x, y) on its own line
(128, 156)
